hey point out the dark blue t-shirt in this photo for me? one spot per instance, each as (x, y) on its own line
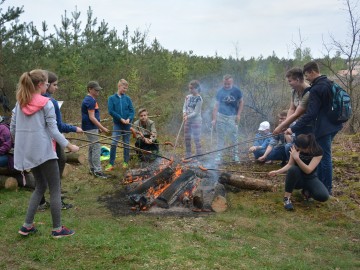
(89, 103)
(229, 100)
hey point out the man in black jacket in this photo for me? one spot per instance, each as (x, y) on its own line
(317, 110)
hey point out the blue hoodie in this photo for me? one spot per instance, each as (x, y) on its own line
(120, 106)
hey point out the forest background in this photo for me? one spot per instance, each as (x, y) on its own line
(78, 52)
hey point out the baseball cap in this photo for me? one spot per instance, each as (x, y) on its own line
(264, 126)
(95, 85)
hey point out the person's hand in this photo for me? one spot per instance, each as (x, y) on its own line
(213, 122)
(278, 130)
(262, 158)
(79, 130)
(294, 153)
(252, 149)
(148, 141)
(105, 130)
(237, 120)
(272, 173)
(288, 131)
(127, 121)
(72, 147)
(185, 118)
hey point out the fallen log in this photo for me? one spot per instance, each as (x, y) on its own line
(75, 158)
(153, 181)
(8, 182)
(241, 181)
(176, 188)
(29, 177)
(6, 171)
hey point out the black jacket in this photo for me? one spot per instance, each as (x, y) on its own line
(317, 109)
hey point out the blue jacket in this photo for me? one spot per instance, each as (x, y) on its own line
(120, 107)
(261, 141)
(63, 128)
(317, 109)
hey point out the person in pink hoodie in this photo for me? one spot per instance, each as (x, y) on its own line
(34, 129)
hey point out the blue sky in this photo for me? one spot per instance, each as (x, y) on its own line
(240, 28)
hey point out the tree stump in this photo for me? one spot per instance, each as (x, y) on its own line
(67, 169)
(75, 158)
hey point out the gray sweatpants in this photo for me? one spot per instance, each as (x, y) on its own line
(46, 174)
(94, 150)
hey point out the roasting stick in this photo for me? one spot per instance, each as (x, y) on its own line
(231, 146)
(130, 146)
(225, 170)
(177, 137)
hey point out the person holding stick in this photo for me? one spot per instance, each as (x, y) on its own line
(90, 123)
(146, 136)
(305, 156)
(192, 118)
(63, 128)
(33, 125)
(227, 114)
(121, 109)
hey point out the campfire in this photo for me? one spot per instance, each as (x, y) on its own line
(187, 184)
(167, 183)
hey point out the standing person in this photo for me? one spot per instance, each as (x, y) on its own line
(33, 125)
(63, 128)
(305, 156)
(192, 118)
(146, 136)
(90, 122)
(226, 115)
(319, 105)
(121, 109)
(299, 101)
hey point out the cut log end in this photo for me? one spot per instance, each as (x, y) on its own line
(219, 204)
(9, 183)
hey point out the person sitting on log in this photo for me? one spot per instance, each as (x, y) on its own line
(279, 145)
(305, 156)
(146, 136)
(262, 140)
(6, 144)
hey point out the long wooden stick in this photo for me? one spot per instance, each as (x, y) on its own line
(128, 145)
(177, 137)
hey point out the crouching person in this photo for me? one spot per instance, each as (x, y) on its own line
(262, 140)
(305, 156)
(146, 136)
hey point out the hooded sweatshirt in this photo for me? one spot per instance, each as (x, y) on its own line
(34, 128)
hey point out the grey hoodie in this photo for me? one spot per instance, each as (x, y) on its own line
(33, 128)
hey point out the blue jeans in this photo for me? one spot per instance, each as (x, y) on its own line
(324, 169)
(120, 130)
(4, 161)
(227, 128)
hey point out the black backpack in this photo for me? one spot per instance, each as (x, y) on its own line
(340, 108)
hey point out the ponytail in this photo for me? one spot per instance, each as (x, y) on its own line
(27, 85)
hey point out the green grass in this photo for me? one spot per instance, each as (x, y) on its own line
(255, 233)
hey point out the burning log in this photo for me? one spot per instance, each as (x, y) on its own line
(210, 196)
(75, 158)
(153, 181)
(178, 186)
(246, 182)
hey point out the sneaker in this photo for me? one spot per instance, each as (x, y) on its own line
(91, 171)
(66, 206)
(236, 159)
(100, 175)
(125, 165)
(288, 204)
(109, 168)
(62, 232)
(26, 231)
(43, 207)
